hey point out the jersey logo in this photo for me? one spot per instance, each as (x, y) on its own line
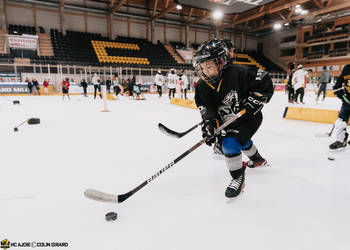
(202, 110)
(260, 75)
(231, 98)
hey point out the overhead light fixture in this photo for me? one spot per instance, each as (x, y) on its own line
(286, 24)
(277, 26)
(298, 6)
(217, 14)
(298, 10)
(179, 7)
(304, 12)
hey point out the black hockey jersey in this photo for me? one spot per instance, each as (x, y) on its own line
(343, 81)
(227, 97)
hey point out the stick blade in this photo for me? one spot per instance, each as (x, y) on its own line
(168, 131)
(100, 196)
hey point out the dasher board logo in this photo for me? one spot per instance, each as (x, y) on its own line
(6, 244)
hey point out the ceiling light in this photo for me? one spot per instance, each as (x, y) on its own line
(304, 12)
(179, 7)
(218, 14)
(286, 24)
(277, 26)
(298, 10)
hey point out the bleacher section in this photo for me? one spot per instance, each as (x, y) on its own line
(265, 62)
(174, 54)
(80, 48)
(20, 29)
(178, 45)
(106, 53)
(253, 59)
(245, 59)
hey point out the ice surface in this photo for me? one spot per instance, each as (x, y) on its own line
(301, 202)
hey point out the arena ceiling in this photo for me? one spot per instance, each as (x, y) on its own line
(252, 17)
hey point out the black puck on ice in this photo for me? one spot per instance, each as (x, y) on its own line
(15, 102)
(111, 216)
(15, 129)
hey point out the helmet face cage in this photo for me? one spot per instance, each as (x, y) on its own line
(213, 50)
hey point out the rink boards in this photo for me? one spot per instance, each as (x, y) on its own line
(184, 103)
(295, 113)
(311, 114)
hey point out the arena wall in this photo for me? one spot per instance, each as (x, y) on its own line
(48, 18)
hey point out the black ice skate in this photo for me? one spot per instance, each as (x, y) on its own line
(236, 185)
(338, 144)
(257, 161)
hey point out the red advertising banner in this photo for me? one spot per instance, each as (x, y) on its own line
(23, 42)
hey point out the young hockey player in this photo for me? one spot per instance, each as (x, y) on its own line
(298, 82)
(159, 82)
(342, 91)
(186, 85)
(223, 91)
(97, 85)
(65, 88)
(324, 80)
(172, 78)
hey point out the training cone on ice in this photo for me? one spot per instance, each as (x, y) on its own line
(30, 121)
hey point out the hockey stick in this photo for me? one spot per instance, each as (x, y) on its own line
(104, 197)
(326, 134)
(29, 121)
(175, 134)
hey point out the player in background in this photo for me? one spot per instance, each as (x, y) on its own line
(290, 86)
(342, 91)
(97, 85)
(231, 49)
(36, 86)
(108, 85)
(65, 88)
(46, 86)
(172, 78)
(324, 80)
(179, 86)
(117, 86)
(298, 83)
(159, 82)
(186, 84)
(84, 85)
(224, 90)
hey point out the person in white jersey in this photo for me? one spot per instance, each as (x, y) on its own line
(97, 84)
(172, 78)
(298, 81)
(185, 83)
(159, 82)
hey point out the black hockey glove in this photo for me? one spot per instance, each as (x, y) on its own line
(253, 104)
(341, 94)
(208, 130)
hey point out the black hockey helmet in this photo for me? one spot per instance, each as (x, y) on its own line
(215, 50)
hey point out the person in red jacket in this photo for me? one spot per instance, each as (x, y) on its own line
(46, 86)
(65, 88)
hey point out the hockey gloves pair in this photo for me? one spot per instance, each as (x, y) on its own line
(253, 104)
(208, 130)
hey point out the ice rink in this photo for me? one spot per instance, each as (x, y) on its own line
(301, 202)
